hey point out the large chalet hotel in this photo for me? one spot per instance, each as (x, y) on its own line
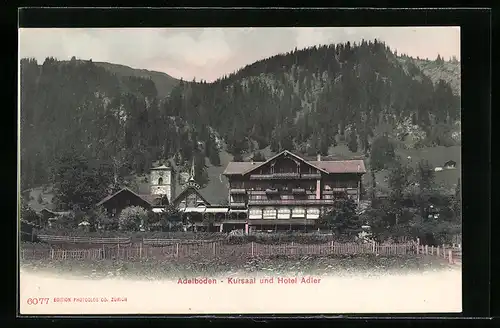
(289, 192)
(286, 192)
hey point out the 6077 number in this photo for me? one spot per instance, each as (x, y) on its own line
(37, 300)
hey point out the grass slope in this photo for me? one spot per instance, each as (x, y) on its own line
(164, 82)
(275, 266)
(447, 71)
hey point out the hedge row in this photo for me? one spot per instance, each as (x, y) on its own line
(263, 238)
(135, 235)
(278, 238)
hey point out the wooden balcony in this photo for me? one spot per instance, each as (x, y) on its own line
(310, 175)
(237, 204)
(272, 191)
(298, 191)
(284, 176)
(284, 192)
(256, 192)
(291, 202)
(275, 176)
(238, 191)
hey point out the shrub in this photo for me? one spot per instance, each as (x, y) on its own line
(66, 221)
(343, 218)
(28, 214)
(152, 218)
(280, 238)
(101, 219)
(132, 218)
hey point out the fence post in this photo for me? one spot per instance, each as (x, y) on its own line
(252, 248)
(437, 251)
(118, 252)
(177, 250)
(51, 253)
(373, 246)
(426, 250)
(213, 248)
(432, 250)
(140, 250)
(450, 258)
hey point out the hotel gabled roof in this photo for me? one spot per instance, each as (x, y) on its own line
(341, 166)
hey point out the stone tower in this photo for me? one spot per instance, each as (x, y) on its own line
(162, 182)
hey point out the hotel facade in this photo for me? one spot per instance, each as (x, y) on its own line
(289, 192)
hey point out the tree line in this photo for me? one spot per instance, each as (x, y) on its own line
(416, 207)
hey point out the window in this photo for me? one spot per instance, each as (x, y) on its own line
(298, 212)
(237, 199)
(191, 201)
(237, 185)
(160, 181)
(313, 211)
(269, 213)
(255, 211)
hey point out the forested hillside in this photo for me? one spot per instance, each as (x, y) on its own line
(80, 107)
(164, 83)
(438, 69)
(308, 101)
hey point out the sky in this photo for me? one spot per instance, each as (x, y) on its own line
(209, 53)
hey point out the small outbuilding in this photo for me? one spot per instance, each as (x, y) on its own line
(450, 165)
(123, 198)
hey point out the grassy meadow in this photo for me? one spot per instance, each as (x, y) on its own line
(273, 266)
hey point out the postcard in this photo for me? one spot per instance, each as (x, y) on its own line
(239, 170)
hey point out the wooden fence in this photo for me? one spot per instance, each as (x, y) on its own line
(168, 241)
(84, 240)
(215, 249)
(453, 254)
(90, 248)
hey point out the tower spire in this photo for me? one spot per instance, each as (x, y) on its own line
(191, 183)
(191, 178)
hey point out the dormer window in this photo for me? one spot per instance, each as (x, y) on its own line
(160, 181)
